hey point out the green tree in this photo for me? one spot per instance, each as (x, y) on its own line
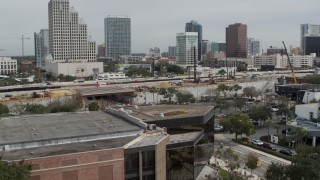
(224, 89)
(14, 171)
(185, 97)
(260, 113)
(153, 90)
(35, 109)
(138, 72)
(239, 103)
(4, 110)
(170, 93)
(241, 67)
(94, 106)
(238, 124)
(312, 79)
(252, 161)
(221, 73)
(276, 172)
(299, 133)
(232, 160)
(250, 91)
(110, 67)
(235, 88)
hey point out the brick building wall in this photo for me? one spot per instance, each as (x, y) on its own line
(94, 165)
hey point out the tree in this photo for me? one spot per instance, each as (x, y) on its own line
(261, 113)
(239, 103)
(268, 123)
(221, 73)
(224, 89)
(241, 67)
(4, 110)
(252, 161)
(13, 171)
(185, 97)
(138, 72)
(35, 109)
(235, 88)
(94, 106)
(232, 160)
(275, 172)
(110, 67)
(153, 90)
(299, 133)
(238, 124)
(170, 93)
(312, 79)
(277, 127)
(250, 91)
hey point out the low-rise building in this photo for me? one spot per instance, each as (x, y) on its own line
(8, 66)
(308, 111)
(79, 69)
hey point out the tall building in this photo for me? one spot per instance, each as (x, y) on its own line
(101, 50)
(308, 30)
(68, 39)
(41, 47)
(216, 47)
(236, 40)
(312, 45)
(154, 52)
(194, 26)
(187, 45)
(117, 36)
(253, 47)
(8, 66)
(172, 51)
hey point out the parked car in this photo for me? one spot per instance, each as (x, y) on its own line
(255, 122)
(218, 128)
(287, 152)
(257, 142)
(221, 115)
(269, 146)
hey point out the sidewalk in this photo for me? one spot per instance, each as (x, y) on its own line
(242, 172)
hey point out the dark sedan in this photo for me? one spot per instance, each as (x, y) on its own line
(287, 152)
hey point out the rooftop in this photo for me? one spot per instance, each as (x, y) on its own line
(301, 86)
(103, 90)
(147, 140)
(66, 148)
(152, 113)
(61, 128)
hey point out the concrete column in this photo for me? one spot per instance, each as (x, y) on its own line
(314, 138)
(140, 165)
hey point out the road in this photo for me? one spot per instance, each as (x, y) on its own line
(265, 158)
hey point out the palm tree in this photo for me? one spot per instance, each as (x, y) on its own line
(299, 133)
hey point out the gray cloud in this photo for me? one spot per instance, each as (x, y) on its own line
(155, 23)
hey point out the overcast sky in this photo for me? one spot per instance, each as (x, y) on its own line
(154, 23)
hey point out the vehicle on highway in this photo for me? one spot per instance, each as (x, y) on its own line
(287, 152)
(269, 146)
(256, 142)
(218, 128)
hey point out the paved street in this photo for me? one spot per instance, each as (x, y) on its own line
(242, 151)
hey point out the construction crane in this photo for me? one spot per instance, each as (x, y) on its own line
(22, 42)
(290, 65)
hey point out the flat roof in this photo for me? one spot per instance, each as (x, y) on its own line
(184, 140)
(45, 151)
(94, 91)
(60, 126)
(300, 86)
(152, 113)
(148, 140)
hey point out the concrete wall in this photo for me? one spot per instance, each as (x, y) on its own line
(309, 96)
(99, 165)
(74, 69)
(303, 110)
(160, 155)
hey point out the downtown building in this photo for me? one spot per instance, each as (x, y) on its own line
(308, 30)
(72, 51)
(194, 26)
(253, 47)
(41, 43)
(236, 40)
(117, 31)
(172, 51)
(186, 48)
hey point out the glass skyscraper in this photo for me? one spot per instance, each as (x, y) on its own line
(194, 26)
(117, 36)
(186, 42)
(41, 43)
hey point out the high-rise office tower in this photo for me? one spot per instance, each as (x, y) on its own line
(308, 30)
(154, 52)
(171, 51)
(253, 47)
(312, 45)
(236, 40)
(194, 26)
(187, 46)
(68, 40)
(117, 36)
(41, 47)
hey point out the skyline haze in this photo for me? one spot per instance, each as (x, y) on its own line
(155, 24)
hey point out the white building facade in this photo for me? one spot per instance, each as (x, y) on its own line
(8, 66)
(68, 40)
(187, 44)
(271, 60)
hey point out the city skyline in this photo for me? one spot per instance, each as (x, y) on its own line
(269, 23)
